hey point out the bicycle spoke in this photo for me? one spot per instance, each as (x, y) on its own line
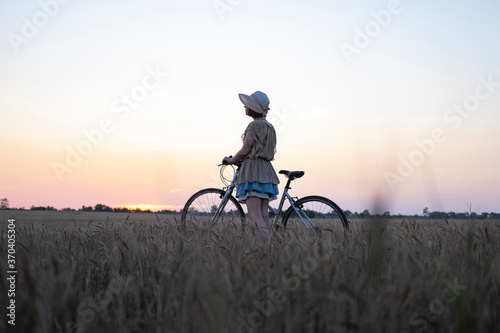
(202, 206)
(315, 212)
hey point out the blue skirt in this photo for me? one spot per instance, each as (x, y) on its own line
(265, 191)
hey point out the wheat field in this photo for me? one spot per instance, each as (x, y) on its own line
(92, 272)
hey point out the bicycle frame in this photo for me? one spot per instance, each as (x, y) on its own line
(225, 199)
(229, 191)
(303, 217)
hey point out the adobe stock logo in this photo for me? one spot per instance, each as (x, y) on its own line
(373, 28)
(95, 136)
(222, 7)
(437, 306)
(31, 27)
(454, 116)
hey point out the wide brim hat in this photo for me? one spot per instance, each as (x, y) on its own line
(257, 102)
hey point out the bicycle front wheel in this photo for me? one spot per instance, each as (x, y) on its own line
(203, 205)
(315, 212)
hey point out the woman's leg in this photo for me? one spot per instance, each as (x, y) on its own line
(254, 205)
(265, 211)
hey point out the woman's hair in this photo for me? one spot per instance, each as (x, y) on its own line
(254, 114)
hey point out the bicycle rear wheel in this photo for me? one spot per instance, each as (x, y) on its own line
(317, 213)
(203, 205)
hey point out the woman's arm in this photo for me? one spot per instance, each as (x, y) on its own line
(247, 145)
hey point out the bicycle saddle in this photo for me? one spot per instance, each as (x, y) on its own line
(292, 174)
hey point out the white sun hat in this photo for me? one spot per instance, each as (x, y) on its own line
(258, 101)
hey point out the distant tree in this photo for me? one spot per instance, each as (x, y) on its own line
(425, 212)
(51, 208)
(121, 210)
(86, 208)
(365, 213)
(67, 209)
(484, 216)
(4, 203)
(102, 208)
(348, 213)
(166, 211)
(38, 208)
(386, 214)
(438, 215)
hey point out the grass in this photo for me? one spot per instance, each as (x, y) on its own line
(147, 273)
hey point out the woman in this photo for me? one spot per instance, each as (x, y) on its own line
(257, 181)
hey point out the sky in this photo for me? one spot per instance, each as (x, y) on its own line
(388, 104)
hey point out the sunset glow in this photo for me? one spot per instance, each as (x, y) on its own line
(146, 207)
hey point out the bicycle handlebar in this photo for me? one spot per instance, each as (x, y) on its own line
(224, 162)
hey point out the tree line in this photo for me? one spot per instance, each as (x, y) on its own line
(426, 213)
(4, 205)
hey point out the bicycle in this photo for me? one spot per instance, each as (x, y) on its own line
(314, 212)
